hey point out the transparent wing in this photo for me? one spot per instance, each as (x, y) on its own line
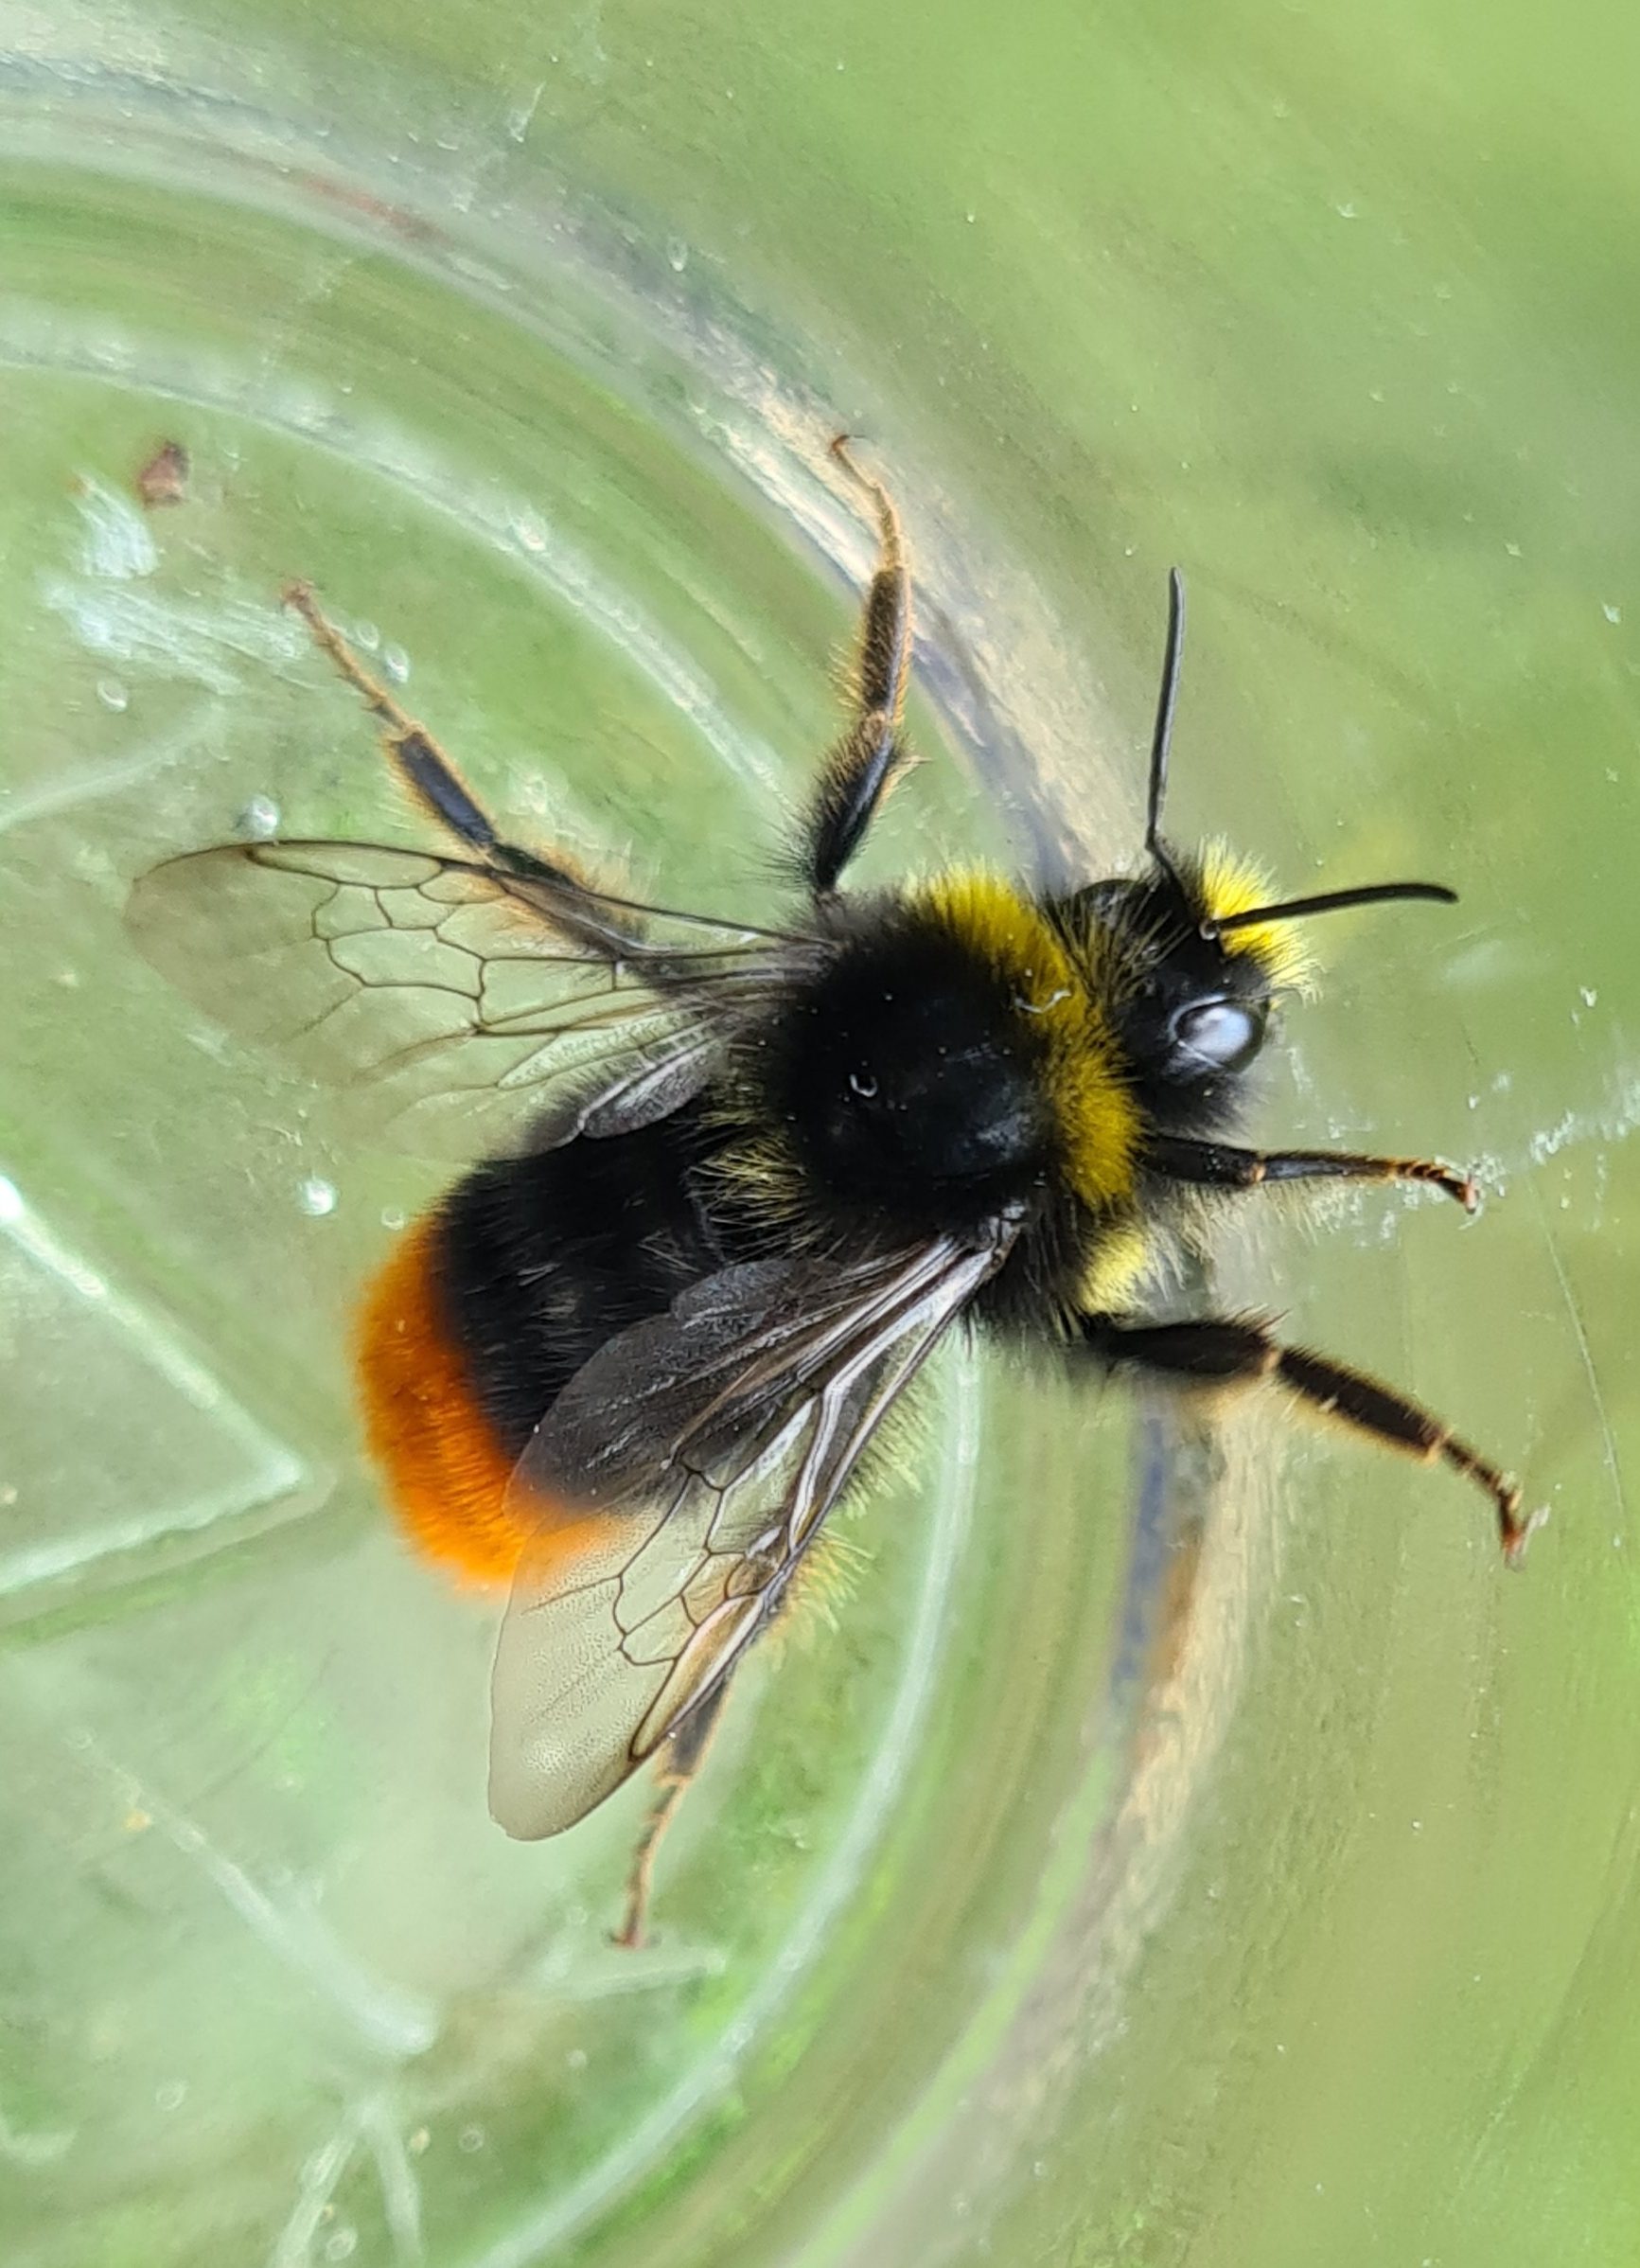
(456, 992)
(677, 1483)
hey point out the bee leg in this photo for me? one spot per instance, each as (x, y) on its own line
(1220, 1165)
(427, 772)
(422, 764)
(681, 1759)
(863, 765)
(1222, 1352)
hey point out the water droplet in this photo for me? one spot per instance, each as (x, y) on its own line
(317, 1197)
(171, 2094)
(863, 1084)
(676, 254)
(470, 2139)
(1613, 613)
(396, 664)
(342, 2245)
(111, 693)
(1345, 212)
(258, 820)
(1588, 995)
(367, 635)
(393, 1217)
(576, 2058)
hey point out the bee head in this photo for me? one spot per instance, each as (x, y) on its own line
(1196, 950)
(1190, 1009)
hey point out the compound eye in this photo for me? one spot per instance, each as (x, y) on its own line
(1221, 1034)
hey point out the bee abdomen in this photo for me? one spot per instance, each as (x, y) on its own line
(446, 1472)
(486, 1309)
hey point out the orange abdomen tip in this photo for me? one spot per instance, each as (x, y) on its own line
(447, 1475)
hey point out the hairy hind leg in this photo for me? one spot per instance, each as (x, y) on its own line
(679, 1762)
(430, 776)
(863, 765)
(415, 756)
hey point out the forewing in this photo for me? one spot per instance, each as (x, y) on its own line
(677, 1483)
(455, 996)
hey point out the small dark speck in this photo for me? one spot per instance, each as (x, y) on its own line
(164, 478)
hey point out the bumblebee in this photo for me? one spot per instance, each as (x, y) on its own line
(633, 1360)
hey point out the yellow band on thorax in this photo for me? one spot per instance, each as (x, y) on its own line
(1098, 1122)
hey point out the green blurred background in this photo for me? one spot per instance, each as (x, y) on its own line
(1187, 1848)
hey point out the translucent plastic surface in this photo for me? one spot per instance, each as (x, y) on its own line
(1189, 1845)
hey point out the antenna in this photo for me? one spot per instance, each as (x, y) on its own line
(1370, 893)
(1291, 909)
(1166, 700)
